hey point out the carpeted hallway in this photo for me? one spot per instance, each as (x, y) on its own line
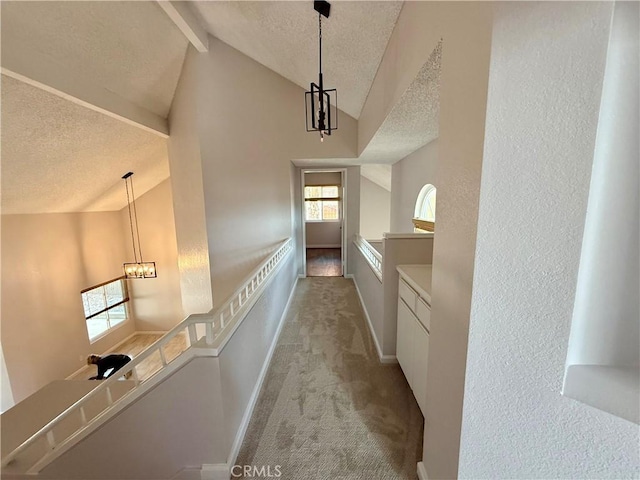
(328, 409)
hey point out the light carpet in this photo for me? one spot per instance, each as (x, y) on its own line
(328, 409)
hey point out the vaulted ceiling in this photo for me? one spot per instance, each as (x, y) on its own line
(64, 152)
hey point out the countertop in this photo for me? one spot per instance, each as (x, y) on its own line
(418, 277)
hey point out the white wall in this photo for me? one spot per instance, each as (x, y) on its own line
(250, 127)
(158, 435)
(47, 259)
(244, 356)
(465, 28)
(157, 302)
(546, 74)
(371, 294)
(375, 209)
(408, 176)
(188, 192)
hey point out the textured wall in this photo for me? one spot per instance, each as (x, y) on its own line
(408, 176)
(546, 74)
(375, 206)
(188, 192)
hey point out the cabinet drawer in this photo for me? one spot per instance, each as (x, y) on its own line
(423, 311)
(407, 294)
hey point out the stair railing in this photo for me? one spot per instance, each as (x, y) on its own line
(218, 326)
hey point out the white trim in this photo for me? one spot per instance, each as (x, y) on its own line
(325, 245)
(224, 336)
(383, 358)
(188, 22)
(422, 471)
(408, 235)
(242, 430)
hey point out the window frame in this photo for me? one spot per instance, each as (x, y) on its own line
(322, 199)
(124, 301)
(420, 223)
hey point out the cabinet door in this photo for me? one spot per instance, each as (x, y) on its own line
(419, 368)
(404, 341)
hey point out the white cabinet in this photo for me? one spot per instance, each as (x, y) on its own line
(404, 339)
(412, 341)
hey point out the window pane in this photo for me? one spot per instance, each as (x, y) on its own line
(330, 192)
(313, 210)
(312, 192)
(117, 315)
(93, 301)
(330, 210)
(97, 325)
(114, 292)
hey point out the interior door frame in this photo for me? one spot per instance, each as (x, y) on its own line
(343, 220)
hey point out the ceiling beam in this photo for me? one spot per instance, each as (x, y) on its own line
(43, 72)
(188, 22)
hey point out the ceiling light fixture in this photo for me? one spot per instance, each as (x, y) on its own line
(138, 269)
(317, 101)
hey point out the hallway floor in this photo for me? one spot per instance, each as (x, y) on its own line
(324, 262)
(328, 408)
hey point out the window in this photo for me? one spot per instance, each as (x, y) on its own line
(424, 217)
(322, 203)
(104, 306)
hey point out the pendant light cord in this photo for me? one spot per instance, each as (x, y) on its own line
(133, 240)
(135, 214)
(320, 36)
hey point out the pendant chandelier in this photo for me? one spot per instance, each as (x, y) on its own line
(137, 269)
(318, 99)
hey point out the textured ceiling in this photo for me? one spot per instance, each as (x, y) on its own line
(378, 174)
(61, 157)
(283, 36)
(411, 123)
(130, 48)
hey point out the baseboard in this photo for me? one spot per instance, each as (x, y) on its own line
(422, 471)
(235, 449)
(302, 275)
(381, 357)
(325, 245)
(218, 471)
(350, 275)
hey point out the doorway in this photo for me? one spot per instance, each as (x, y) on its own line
(323, 195)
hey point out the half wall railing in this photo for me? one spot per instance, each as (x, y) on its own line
(209, 330)
(373, 257)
